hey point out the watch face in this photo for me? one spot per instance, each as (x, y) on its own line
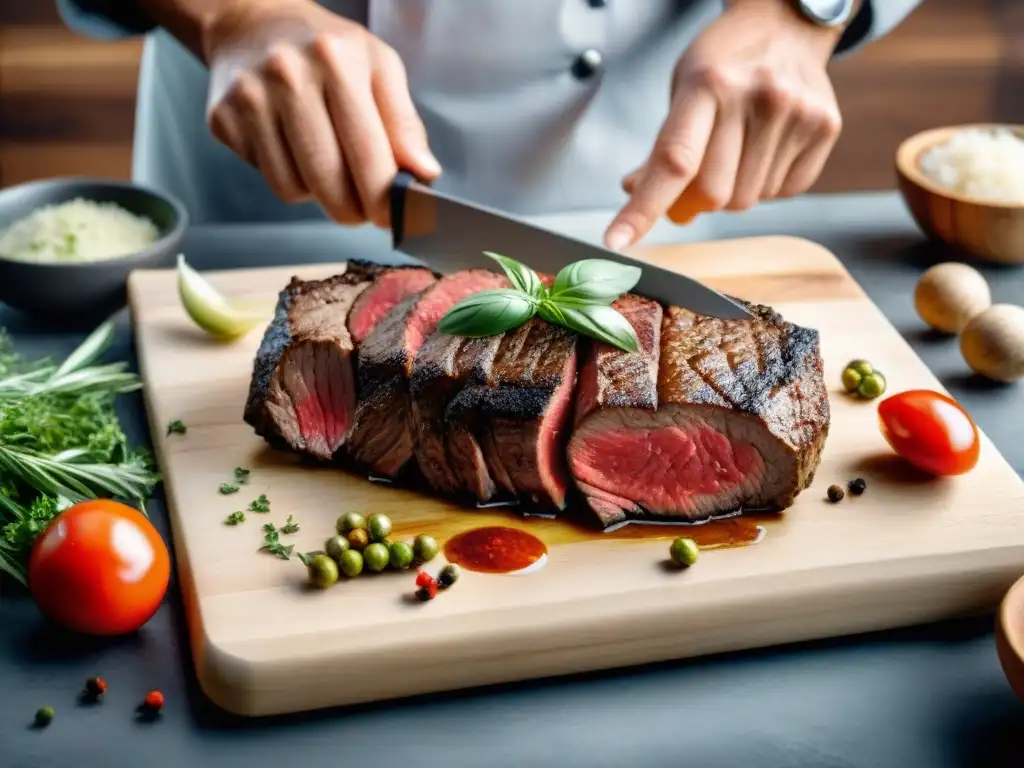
(828, 12)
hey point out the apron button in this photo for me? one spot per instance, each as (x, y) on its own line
(597, 3)
(587, 64)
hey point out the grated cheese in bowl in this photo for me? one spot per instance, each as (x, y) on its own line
(986, 164)
(77, 231)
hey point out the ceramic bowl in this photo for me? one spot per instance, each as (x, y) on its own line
(986, 230)
(1010, 637)
(84, 292)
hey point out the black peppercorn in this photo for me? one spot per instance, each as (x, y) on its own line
(857, 487)
(423, 594)
(95, 686)
(835, 494)
(448, 576)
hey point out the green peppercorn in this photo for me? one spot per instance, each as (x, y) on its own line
(350, 521)
(401, 555)
(448, 575)
(684, 552)
(851, 379)
(858, 486)
(872, 385)
(835, 494)
(44, 716)
(376, 556)
(323, 571)
(351, 563)
(425, 548)
(336, 545)
(358, 538)
(863, 367)
(379, 526)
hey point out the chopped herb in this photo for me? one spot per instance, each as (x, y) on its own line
(235, 518)
(176, 427)
(272, 543)
(241, 475)
(291, 525)
(262, 504)
(228, 488)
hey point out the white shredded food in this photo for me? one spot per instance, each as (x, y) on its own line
(78, 230)
(987, 164)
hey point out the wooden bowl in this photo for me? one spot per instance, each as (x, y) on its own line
(987, 230)
(1010, 637)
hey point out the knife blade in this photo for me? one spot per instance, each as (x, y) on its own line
(449, 234)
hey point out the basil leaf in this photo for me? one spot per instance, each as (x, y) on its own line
(594, 280)
(598, 321)
(488, 313)
(521, 276)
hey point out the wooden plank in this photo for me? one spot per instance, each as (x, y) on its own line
(907, 551)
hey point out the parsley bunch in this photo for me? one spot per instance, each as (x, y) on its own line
(61, 441)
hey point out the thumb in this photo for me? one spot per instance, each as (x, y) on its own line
(402, 122)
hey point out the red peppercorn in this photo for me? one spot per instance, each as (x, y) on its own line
(154, 701)
(423, 579)
(95, 686)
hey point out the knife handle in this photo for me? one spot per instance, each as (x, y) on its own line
(403, 180)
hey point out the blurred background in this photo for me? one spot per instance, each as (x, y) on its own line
(67, 104)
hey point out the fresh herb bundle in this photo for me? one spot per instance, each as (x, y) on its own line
(61, 442)
(579, 299)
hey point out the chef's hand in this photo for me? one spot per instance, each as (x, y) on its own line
(319, 105)
(753, 117)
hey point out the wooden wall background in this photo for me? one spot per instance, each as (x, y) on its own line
(67, 104)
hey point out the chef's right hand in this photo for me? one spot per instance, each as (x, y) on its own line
(318, 104)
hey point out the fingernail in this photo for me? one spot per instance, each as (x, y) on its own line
(619, 236)
(429, 164)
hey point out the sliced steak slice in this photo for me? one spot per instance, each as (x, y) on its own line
(302, 391)
(443, 365)
(380, 438)
(390, 288)
(615, 383)
(741, 421)
(520, 414)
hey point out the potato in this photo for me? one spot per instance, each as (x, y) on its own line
(949, 295)
(993, 343)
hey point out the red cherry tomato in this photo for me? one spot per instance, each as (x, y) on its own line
(100, 568)
(931, 431)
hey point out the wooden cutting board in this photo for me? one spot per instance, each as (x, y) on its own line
(909, 550)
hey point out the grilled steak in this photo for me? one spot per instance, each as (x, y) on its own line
(391, 287)
(519, 414)
(380, 437)
(741, 419)
(302, 391)
(442, 367)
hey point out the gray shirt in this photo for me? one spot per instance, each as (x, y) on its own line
(516, 112)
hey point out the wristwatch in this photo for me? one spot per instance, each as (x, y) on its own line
(827, 13)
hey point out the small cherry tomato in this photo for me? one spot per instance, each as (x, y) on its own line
(99, 568)
(931, 431)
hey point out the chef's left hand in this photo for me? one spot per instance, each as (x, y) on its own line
(753, 116)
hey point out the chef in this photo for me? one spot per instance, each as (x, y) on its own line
(255, 110)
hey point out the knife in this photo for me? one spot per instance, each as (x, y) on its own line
(449, 234)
